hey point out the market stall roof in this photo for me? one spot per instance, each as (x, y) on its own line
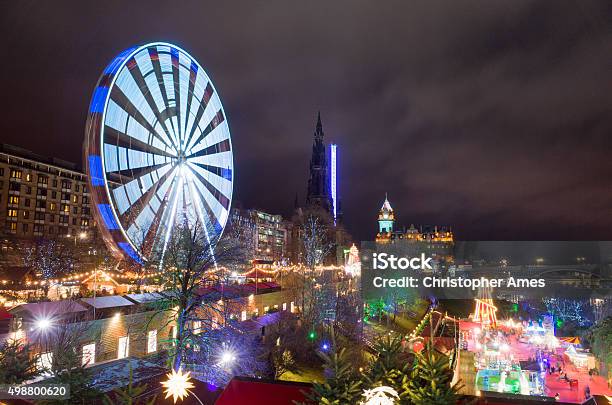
(252, 391)
(48, 308)
(5, 315)
(145, 297)
(107, 302)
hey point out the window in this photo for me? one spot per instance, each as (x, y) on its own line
(14, 199)
(26, 214)
(292, 307)
(41, 191)
(51, 218)
(54, 194)
(284, 306)
(152, 341)
(85, 210)
(76, 188)
(39, 216)
(63, 219)
(75, 210)
(40, 204)
(28, 177)
(123, 349)
(84, 189)
(51, 229)
(15, 174)
(14, 186)
(39, 228)
(197, 327)
(54, 184)
(65, 208)
(243, 316)
(44, 362)
(173, 335)
(266, 309)
(73, 221)
(1, 171)
(13, 226)
(24, 228)
(43, 179)
(66, 184)
(12, 213)
(84, 222)
(27, 202)
(85, 200)
(89, 354)
(75, 199)
(52, 206)
(28, 190)
(66, 196)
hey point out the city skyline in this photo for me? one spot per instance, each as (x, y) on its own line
(502, 135)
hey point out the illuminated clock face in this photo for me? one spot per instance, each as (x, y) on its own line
(158, 151)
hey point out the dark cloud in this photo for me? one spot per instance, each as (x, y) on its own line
(493, 117)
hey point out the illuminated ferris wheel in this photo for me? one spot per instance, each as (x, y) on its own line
(157, 151)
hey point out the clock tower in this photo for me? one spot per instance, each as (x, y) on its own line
(386, 218)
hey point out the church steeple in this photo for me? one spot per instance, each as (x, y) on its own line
(319, 192)
(318, 135)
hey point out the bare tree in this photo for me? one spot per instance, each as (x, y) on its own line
(61, 356)
(49, 258)
(316, 241)
(192, 262)
(317, 245)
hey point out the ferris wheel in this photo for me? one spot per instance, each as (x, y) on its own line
(157, 151)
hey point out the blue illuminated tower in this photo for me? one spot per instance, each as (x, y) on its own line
(333, 179)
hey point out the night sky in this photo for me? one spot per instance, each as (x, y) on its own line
(493, 117)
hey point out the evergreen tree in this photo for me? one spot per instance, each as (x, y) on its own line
(16, 363)
(129, 395)
(391, 367)
(342, 385)
(430, 382)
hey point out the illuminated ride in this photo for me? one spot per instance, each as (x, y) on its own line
(157, 151)
(485, 311)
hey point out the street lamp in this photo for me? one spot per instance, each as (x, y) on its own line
(227, 358)
(43, 323)
(81, 235)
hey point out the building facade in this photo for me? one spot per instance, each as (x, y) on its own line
(136, 325)
(435, 240)
(43, 197)
(266, 236)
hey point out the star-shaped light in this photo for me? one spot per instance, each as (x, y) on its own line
(177, 386)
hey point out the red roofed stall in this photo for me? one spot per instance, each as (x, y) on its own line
(251, 391)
